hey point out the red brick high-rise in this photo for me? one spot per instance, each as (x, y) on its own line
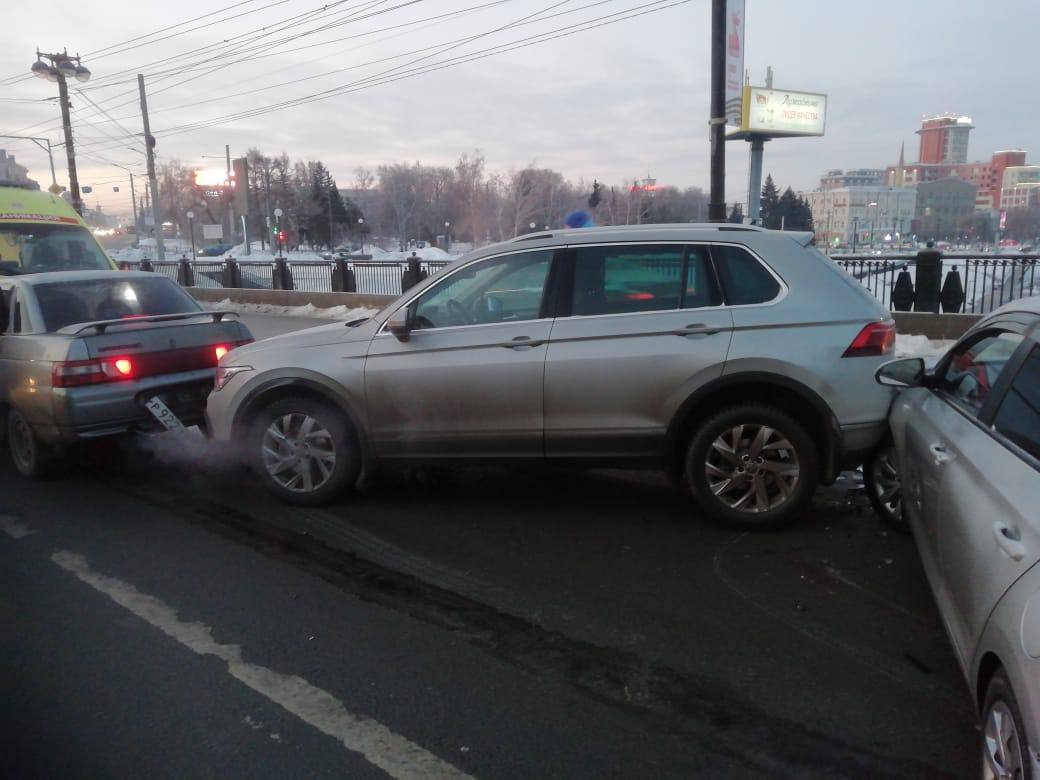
(944, 140)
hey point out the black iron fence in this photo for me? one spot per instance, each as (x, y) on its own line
(970, 283)
(366, 277)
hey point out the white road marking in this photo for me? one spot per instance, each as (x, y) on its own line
(391, 752)
(10, 526)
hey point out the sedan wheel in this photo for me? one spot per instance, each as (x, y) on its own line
(884, 487)
(1005, 750)
(30, 456)
(1002, 746)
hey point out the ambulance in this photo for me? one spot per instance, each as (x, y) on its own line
(40, 232)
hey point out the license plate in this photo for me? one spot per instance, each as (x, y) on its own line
(162, 413)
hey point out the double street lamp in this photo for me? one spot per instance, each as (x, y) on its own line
(61, 68)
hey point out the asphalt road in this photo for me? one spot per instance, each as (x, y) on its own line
(162, 615)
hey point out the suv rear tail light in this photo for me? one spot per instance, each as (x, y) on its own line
(875, 340)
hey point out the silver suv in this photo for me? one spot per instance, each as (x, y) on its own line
(740, 358)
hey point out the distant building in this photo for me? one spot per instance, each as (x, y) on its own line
(944, 140)
(940, 207)
(861, 216)
(987, 177)
(1017, 185)
(13, 173)
(836, 179)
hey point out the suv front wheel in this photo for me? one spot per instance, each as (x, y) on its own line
(305, 451)
(752, 467)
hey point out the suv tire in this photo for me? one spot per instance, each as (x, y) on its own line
(305, 451)
(881, 481)
(752, 467)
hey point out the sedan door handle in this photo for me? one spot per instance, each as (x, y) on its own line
(1007, 540)
(521, 342)
(939, 454)
(696, 329)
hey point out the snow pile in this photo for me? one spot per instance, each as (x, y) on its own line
(911, 345)
(308, 311)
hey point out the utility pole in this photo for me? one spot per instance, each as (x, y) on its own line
(230, 195)
(137, 220)
(717, 122)
(149, 145)
(63, 67)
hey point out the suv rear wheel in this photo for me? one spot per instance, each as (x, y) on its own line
(305, 451)
(752, 467)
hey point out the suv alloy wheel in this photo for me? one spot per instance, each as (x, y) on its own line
(752, 466)
(305, 451)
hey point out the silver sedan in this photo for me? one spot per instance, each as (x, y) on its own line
(967, 450)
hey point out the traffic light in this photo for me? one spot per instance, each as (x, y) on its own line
(281, 236)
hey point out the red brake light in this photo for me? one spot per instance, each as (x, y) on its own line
(76, 373)
(875, 340)
(220, 351)
(124, 366)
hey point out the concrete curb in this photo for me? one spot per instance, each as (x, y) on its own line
(321, 300)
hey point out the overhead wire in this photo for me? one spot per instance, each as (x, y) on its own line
(606, 20)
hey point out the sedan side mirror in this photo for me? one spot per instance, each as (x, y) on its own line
(907, 372)
(400, 324)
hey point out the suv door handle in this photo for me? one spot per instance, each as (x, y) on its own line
(939, 454)
(521, 342)
(1007, 540)
(696, 329)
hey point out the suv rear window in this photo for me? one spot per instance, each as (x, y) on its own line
(72, 303)
(622, 279)
(744, 279)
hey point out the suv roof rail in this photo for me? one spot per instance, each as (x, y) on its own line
(720, 226)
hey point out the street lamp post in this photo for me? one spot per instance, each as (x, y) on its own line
(191, 230)
(447, 236)
(532, 226)
(361, 230)
(873, 222)
(64, 67)
(278, 228)
(50, 156)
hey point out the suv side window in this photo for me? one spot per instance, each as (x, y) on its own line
(500, 289)
(1018, 417)
(744, 279)
(973, 367)
(638, 278)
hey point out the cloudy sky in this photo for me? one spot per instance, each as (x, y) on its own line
(612, 102)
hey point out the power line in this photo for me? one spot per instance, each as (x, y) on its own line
(359, 85)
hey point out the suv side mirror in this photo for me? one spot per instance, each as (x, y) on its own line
(400, 324)
(907, 372)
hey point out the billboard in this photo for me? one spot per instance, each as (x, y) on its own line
(777, 112)
(734, 60)
(212, 231)
(240, 183)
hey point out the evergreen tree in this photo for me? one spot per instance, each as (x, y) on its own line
(768, 213)
(595, 197)
(736, 215)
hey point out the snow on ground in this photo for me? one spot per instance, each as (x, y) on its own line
(912, 345)
(308, 310)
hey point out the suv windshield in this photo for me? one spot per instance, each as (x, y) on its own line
(72, 303)
(32, 248)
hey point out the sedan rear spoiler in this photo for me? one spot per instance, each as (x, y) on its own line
(101, 326)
